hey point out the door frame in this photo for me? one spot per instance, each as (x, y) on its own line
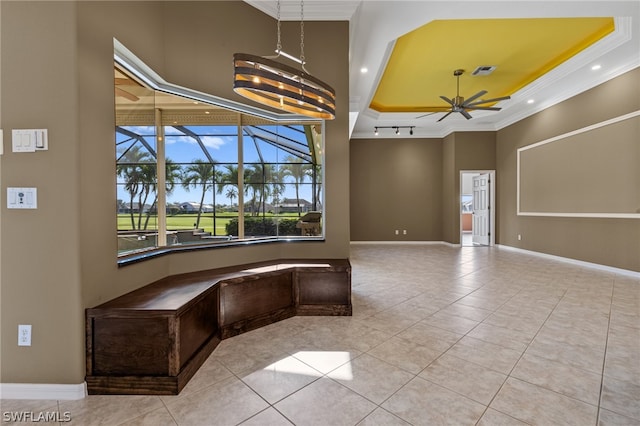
(492, 203)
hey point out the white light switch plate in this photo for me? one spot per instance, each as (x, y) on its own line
(22, 198)
(29, 140)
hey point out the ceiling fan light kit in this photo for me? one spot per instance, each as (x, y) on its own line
(463, 106)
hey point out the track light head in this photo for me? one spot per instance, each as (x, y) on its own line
(396, 128)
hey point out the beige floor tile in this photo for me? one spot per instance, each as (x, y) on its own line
(14, 411)
(544, 322)
(429, 336)
(370, 377)
(404, 354)
(325, 402)
(391, 322)
(280, 379)
(159, 417)
(211, 372)
(609, 418)
(109, 409)
(621, 397)
(268, 417)
(325, 361)
(421, 402)
(625, 319)
(481, 302)
(495, 418)
(226, 402)
(360, 337)
(466, 378)
(451, 323)
(501, 336)
(381, 417)
(537, 406)
(495, 357)
(525, 326)
(583, 357)
(465, 311)
(570, 381)
(623, 363)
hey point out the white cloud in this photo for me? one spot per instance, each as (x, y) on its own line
(213, 142)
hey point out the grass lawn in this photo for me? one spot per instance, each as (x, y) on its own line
(187, 221)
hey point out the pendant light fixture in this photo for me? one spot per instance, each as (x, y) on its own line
(269, 82)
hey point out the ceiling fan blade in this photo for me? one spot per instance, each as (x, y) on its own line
(466, 114)
(486, 101)
(447, 100)
(483, 108)
(126, 95)
(428, 114)
(474, 97)
(444, 116)
(125, 82)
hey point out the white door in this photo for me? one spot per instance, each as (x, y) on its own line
(481, 210)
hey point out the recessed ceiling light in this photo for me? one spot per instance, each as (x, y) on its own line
(596, 67)
(364, 70)
(530, 101)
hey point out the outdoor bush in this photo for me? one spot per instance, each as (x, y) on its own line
(259, 226)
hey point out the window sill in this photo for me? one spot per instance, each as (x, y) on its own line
(142, 256)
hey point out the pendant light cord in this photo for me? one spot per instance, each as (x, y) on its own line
(279, 44)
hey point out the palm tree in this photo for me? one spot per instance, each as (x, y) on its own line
(172, 174)
(199, 173)
(134, 167)
(254, 182)
(229, 179)
(277, 186)
(232, 192)
(315, 174)
(296, 168)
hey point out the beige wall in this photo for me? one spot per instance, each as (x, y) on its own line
(57, 73)
(413, 184)
(395, 184)
(612, 242)
(465, 151)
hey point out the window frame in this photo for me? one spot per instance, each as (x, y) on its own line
(126, 60)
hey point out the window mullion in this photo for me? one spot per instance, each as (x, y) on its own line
(240, 180)
(161, 203)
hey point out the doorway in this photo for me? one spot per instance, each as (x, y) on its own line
(477, 212)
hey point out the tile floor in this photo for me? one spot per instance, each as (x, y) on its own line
(440, 335)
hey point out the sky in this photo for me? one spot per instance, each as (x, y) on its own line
(221, 144)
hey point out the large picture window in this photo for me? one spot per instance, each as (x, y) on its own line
(191, 173)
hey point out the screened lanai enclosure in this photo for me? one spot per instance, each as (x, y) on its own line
(192, 173)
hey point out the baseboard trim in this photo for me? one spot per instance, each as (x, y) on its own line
(42, 391)
(417, 243)
(576, 262)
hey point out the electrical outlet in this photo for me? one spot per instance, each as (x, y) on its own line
(397, 232)
(519, 237)
(24, 335)
(404, 232)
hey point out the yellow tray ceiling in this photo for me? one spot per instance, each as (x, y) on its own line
(421, 65)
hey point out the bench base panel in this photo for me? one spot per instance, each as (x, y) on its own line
(124, 358)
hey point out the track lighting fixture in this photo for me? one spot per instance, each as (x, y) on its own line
(396, 128)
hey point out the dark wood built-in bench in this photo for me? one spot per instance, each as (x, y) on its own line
(152, 340)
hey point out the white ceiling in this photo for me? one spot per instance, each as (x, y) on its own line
(376, 24)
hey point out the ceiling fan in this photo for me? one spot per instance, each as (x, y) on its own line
(462, 105)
